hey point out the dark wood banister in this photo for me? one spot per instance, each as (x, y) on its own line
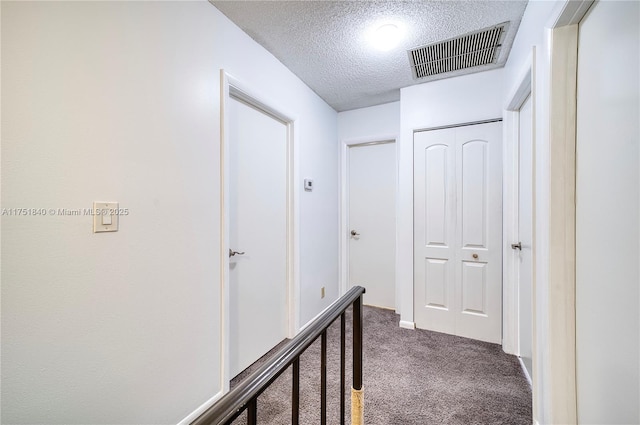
(244, 395)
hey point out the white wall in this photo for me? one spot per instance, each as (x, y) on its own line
(607, 215)
(119, 101)
(367, 123)
(459, 100)
(530, 33)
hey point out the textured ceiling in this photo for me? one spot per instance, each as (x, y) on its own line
(325, 42)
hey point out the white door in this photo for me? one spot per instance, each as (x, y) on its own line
(525, 233)
(458, 231)
(257, 228)
(372, 217)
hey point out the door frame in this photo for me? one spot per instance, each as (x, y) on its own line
(510, 213)
(230, 87)
(344, 204)
(554, 88)
(555, 399)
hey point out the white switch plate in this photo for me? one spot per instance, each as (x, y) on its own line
(105, 217)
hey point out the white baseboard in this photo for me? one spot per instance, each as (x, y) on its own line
(526, 372)
(407, 325)
(193, 415)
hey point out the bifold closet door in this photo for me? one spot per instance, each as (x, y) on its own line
(458, 231)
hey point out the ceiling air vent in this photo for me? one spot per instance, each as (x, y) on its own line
(467, 51)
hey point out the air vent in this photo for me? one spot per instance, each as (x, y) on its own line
(467, 51)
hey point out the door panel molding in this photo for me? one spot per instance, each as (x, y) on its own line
(232, 87)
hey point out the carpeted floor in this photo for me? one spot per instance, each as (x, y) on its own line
(410, 377)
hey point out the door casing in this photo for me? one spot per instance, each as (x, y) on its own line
(232, 87)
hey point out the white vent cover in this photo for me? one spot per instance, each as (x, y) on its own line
(467, 51)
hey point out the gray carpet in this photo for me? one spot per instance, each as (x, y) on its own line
(410, 377)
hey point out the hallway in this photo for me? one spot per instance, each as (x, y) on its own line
(123, 315)
(410, 377)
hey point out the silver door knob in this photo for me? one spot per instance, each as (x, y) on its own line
(517, 246)
(232, 253)
(354, 233)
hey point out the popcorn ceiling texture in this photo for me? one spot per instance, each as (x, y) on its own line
(325, 42)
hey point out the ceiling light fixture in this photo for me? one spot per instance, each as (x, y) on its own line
(386, 37)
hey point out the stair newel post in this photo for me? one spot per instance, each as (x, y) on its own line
(357, 394)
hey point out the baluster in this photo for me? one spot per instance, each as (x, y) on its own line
(342, 367)
(323, 378)
(252, 412)
(295, 393)
(357, 396)
(357, 344)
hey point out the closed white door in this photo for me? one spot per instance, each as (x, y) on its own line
(257, 230)
(525, 235)
(372, 221)
(458, 231)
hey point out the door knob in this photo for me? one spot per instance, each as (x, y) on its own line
(517, 246)
(232, 253)
(354, 233)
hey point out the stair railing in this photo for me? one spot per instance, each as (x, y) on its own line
(245, 395)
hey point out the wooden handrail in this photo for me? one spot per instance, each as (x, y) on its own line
(245, 394)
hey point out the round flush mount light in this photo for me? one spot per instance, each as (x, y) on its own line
(386, 37)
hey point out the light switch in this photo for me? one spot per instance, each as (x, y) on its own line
(105, 217)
